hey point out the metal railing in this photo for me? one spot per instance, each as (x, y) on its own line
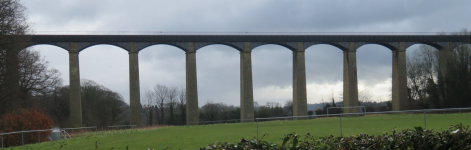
(222, 121)
(424, 111)
(120, 127)
(230, 33)
(364, 108)
(81, 129)
(39, 133)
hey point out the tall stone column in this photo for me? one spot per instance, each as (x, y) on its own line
(74, 89)
(299, 82)
(192, 112)
(246, 86)
(399, 79)
(134, 91)
(350, 81)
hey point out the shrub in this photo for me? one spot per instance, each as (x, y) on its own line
(22, 120)
(457, 137)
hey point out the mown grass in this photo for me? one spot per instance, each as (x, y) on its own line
(195, 137)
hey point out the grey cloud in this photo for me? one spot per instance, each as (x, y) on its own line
(218, 66)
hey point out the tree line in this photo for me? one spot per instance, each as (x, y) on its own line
(428, 87)
(212, 111)
(164, 105)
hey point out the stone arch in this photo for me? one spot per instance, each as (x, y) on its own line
(289, 45)
(84, 45)
(239, 46)
(437, 46)
(315, 55)
(341, 45)
(180, 45)
(391, 46)
(64, 46)
(456, 45)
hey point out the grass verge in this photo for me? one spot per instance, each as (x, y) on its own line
(195, 137)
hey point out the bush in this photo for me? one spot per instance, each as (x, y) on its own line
(22, 120)
(457, 137)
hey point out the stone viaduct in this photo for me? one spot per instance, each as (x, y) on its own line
(244, 43)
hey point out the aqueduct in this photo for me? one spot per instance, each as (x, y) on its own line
(245, 42)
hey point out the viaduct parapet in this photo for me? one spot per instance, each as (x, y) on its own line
(245, 43)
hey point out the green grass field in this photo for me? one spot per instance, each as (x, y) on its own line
(195, 137)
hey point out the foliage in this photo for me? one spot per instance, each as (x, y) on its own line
(274, 109)
(57, 106)
(457, 137)
(212, 111)
(22, 120)
(101, 106)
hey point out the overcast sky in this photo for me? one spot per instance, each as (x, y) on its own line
(218, 66)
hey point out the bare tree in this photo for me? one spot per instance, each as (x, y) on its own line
(255, 105)
(422, 69)
(161, 94)
(172, 93)
(211, 110)
(35, 77)
(147, 104)
(182, 100)
(428, 88)
(289, 106)
(365, 97)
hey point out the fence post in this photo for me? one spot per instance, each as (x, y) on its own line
(257, 128)
(82, 132)
(102, 132)
(425, 118)
(90, 132)
(2, 141)
(39, 137)
(96, 131)
(22, 139)
(73, 132)
(341, 125)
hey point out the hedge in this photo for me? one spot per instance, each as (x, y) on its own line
(457, 137)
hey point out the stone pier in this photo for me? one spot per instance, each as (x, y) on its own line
(350, 80)
(134, 91)
(399, 79)
(74, 89)
(299, 81)
(246, 86)
(192, 112)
